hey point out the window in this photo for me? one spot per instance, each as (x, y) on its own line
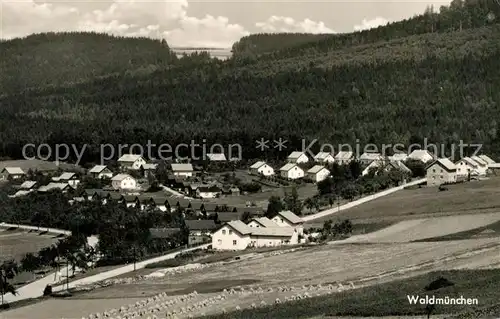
(219, 242)
(433, 170)
(223, 232)
(234, 242)
(441, 176)
(230, 232)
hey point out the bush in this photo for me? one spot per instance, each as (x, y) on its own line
(47, 291)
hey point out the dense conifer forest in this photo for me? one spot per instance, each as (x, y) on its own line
(434, 76)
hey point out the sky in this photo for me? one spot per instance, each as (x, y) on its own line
(201, 23)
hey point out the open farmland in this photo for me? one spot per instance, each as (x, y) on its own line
(467, 198)
(332, 264)
(14, 244)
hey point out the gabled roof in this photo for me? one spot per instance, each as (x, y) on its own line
(129, 158)
(51, 186)
(295, 155)
(201, 224)
(469, 161)
(66, 176)
(445, 163)
(322, 155)
(27, 185)
(399, 165)
(487, 159)
(240, 227)
(370, 156)
(398, 157)
(420, 154)
(344, 155)
(97, 169)
(21, 193)
(265, 222)
(291, 217)
(182, 167)
(216, 156)
(288, 167)
(14, 170)
(272, 231)
(208, 189)
(479, 161)
(258, 165)
(316, 169)
(120, 177)
(149, 166)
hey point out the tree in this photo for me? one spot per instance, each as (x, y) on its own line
(30, 262)
(274, 206)
(8, 270)
(349, 192)
(292, 202)
(309, 203)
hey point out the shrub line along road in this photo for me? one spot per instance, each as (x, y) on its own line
(35, 289)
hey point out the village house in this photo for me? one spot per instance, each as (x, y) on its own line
(63, 187)
(398, 157)
(70, 178)
(286, 218)
(123, 182)
(373, 166)
(291, 171)
(487, 159)
(262, 222)
(131, 162)
(182, 170)
(12, 173)
(297, 158)
(368, 157)
(482, 166)
(200, 231)
(236, 235)
(28, 185)
(318, 173)
(344, 157)
(261, 168)
(148, 169)
(399, 166)
(421, 155)
(208, 191)
(324, 158)
(216, 157)
(100, 172)
(440, 172)
(467, 166)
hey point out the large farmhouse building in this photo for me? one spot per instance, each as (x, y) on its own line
(440, 172)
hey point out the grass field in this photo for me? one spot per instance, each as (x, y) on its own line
(328, 264)
(490, 230)
(390, 299)
(14, 244)
(467, 198)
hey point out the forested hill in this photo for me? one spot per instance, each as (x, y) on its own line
(459, 15)
(62, 58)
(439, 86)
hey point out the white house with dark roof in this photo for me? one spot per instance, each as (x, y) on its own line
(131, 161)
(261, 168)
(344, 157)
(100, 171)
(372, 166)
(208, 191)
(216, 157)
(324, 158)
(236, 235)
(440, 172)
(297, 158)
(286, 218)
(12, 173)
(318, 173)
(421, 155)
(123, 181)
(183, 170)
(467, 166)
(482, 165)
(291, 171)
